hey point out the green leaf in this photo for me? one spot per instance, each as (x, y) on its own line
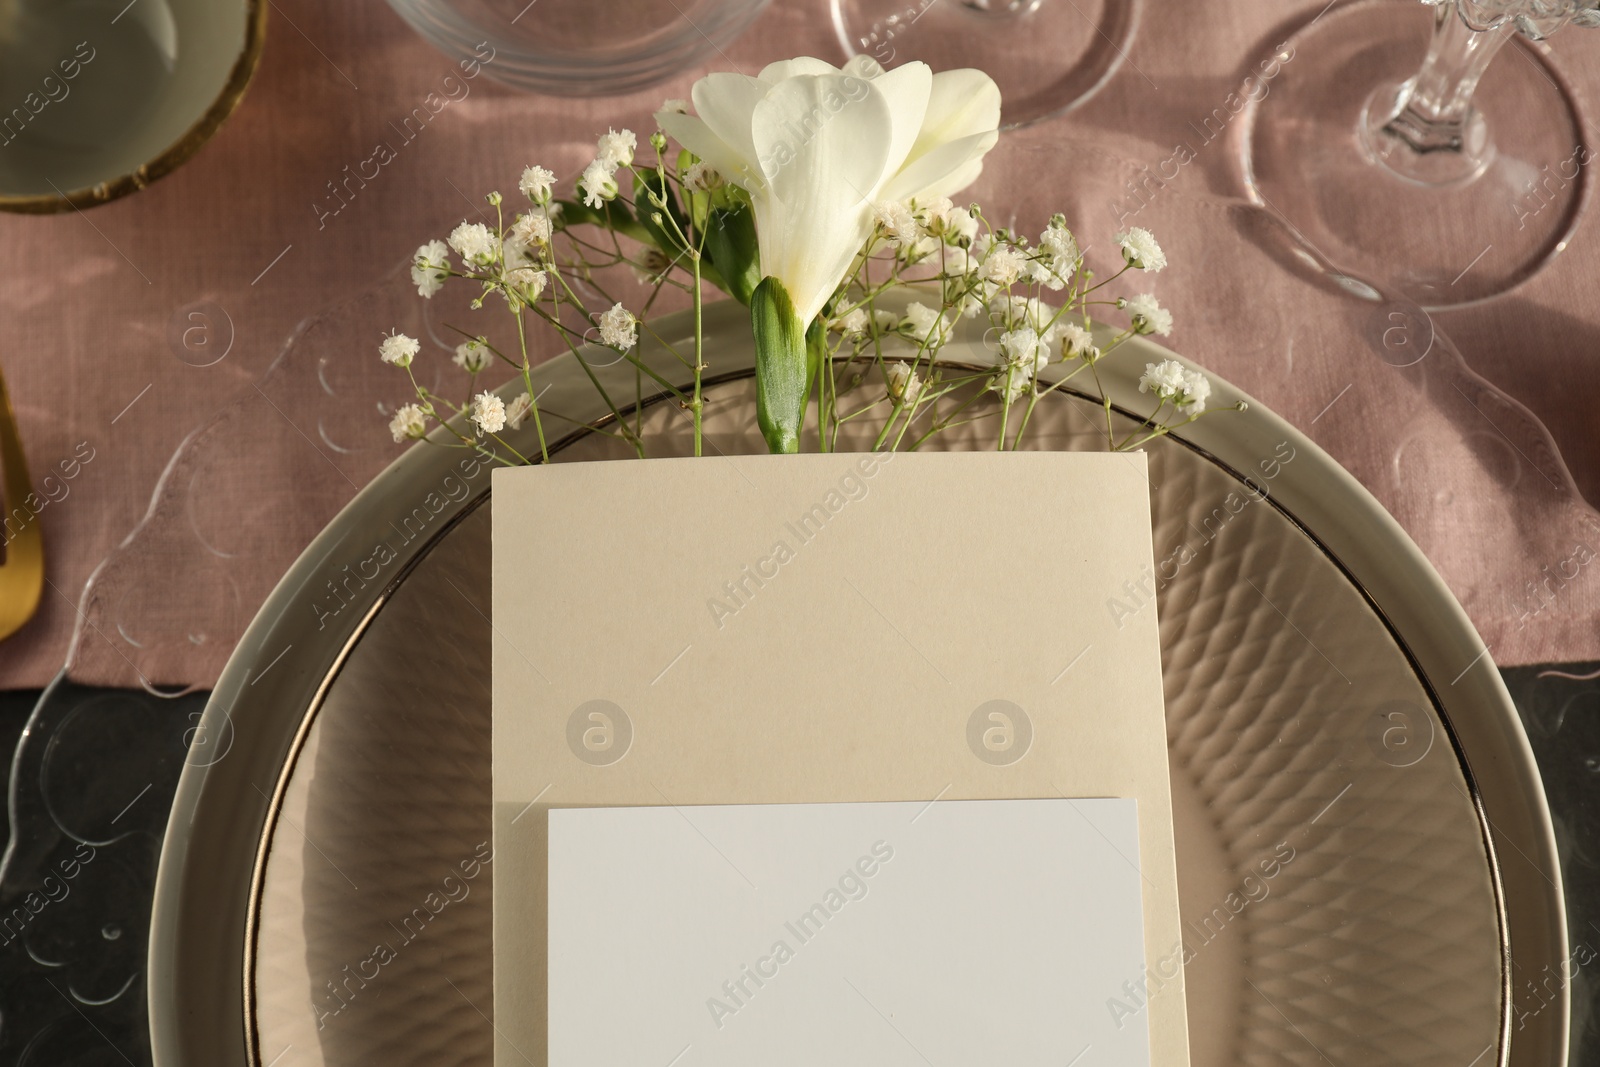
(782, 366)
(732, 248)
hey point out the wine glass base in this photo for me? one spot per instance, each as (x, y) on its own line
(1445, 231)
(1046, 56)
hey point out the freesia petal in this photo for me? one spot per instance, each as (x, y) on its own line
(906, 88)
(725, 103)
(960, 103)
(773, 73)
(944, 170)
(824, 152)
(697, 137)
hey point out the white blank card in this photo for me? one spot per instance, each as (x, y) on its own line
(846, 935)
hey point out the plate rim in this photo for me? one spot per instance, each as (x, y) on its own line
(191, 1014)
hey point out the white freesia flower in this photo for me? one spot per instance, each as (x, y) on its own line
(618, 328)
(1148, 316)
(816, 146)
(616, 148)
(488, 413)
(598, 184)
(398, 349)
(430, 267)
(903, 384)
(472, 356)
(409, 422)
(536, 183)
(1140, 251)
(517, 410)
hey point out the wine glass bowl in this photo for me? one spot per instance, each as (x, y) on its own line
(1398, 147)
(576, 47)
(1047, 56)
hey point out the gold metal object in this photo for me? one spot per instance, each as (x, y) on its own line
(22, 566)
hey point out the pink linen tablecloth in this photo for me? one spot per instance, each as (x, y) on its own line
(250, 236)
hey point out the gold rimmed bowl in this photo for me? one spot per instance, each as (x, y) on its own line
(98, 98)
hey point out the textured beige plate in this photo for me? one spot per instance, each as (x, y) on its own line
(1303, 719)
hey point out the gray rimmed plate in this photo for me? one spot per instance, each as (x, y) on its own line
(1329, 708)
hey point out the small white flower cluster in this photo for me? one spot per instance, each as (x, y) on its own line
(599, 181)
(1172, 383)
(398, 349)
(473, 356)
(902, 382)
(918, 230)
(618, 328)
(1147, 315)
(410, 423)
(488, 413)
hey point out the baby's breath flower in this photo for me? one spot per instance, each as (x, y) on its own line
(1140, 251)
(1002, 266)
(1021, 349)
(903, 384)
(1077, 343)
(598, 184)
(1010, 383)
(533, 229)
(430, 267)
(926, 324)
(472, 356)
(1147, 315)
(488, 413)
(529, 282)
(1196, 390)
(701, 177)
(960, 226)
(1014, 309)
(410, 422)
(675, 105)
(618, 328)
(517, 410)
(886, 320)
(934, 215)
(853, 324)
(398, 349)
(536, 184)
(896, 221)
(1164, 379)
(473, 243)
(1185, 390)
(616, 148)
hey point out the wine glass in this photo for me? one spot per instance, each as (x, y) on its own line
(1453, 182)
(1047, 56)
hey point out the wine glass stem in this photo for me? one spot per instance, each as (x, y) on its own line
(1435, 107)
